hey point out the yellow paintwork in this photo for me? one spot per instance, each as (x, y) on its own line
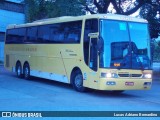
(120, 82)
(62, 58)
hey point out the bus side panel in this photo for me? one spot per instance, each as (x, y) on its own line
(73, 57)
(90, 77)
(10, 58)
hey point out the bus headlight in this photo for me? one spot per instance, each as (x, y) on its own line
(109, 75)
(148, 76)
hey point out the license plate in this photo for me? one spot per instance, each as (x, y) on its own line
(129, 83)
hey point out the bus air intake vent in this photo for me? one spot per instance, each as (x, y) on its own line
(123, 75)
(136, 75)
(130, 75)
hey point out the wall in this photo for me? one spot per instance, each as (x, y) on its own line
(9, 17)
(1, 51)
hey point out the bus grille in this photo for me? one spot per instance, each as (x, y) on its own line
(7, 60)
(136, 75)
(130, 75)
(123, 75)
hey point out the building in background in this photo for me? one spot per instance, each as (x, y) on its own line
(11, 12)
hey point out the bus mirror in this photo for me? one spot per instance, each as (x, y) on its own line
(100, 45)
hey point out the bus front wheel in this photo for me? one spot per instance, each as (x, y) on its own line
(77, 81)
(26, 71)
(117, 91)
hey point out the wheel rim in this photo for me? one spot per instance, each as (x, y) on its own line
(19, 70)
(26, 72)
(78, 81)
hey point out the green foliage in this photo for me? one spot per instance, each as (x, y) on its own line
(69, 7)
(125, 7)
(40, 9)
(150, 12)
(156, 52)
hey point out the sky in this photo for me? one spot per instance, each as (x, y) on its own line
(113, 11)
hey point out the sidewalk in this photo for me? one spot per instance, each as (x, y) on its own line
(156, 67)
(156, 70)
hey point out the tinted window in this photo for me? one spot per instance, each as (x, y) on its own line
(31, 34)
(57, 33)
(73, 31)
(15, 35)
(43, 34)
(68, 32)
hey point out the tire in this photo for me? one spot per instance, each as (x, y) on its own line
(77, 81)
(19, 70)
(26, 71)
(117, 91)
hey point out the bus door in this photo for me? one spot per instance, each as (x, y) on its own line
(93, 62)
(93, 54)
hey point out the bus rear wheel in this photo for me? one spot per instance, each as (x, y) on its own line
(19, 70)
(77, 81)
(26, 71)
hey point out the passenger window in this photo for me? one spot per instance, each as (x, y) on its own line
(31, 34)
(15, 35)
(43, 34)
(67, 32)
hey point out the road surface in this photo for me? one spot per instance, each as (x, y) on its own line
(44, 95)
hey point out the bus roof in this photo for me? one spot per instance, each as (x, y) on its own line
(74, 18)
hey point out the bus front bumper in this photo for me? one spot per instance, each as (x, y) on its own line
(124, 84)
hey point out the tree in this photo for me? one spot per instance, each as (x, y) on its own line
(125, 7)
(40, 9)
(149, 10)
(69, 7)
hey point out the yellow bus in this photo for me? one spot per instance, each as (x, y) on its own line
(102, 51)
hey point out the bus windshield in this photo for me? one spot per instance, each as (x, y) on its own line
(125, 45)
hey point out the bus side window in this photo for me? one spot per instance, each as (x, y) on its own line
(67, 32)
(15, 35)
(91, 26)
(74, 32)
(43, 34)
(31, 34)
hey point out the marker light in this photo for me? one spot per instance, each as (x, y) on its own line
(147, 76)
